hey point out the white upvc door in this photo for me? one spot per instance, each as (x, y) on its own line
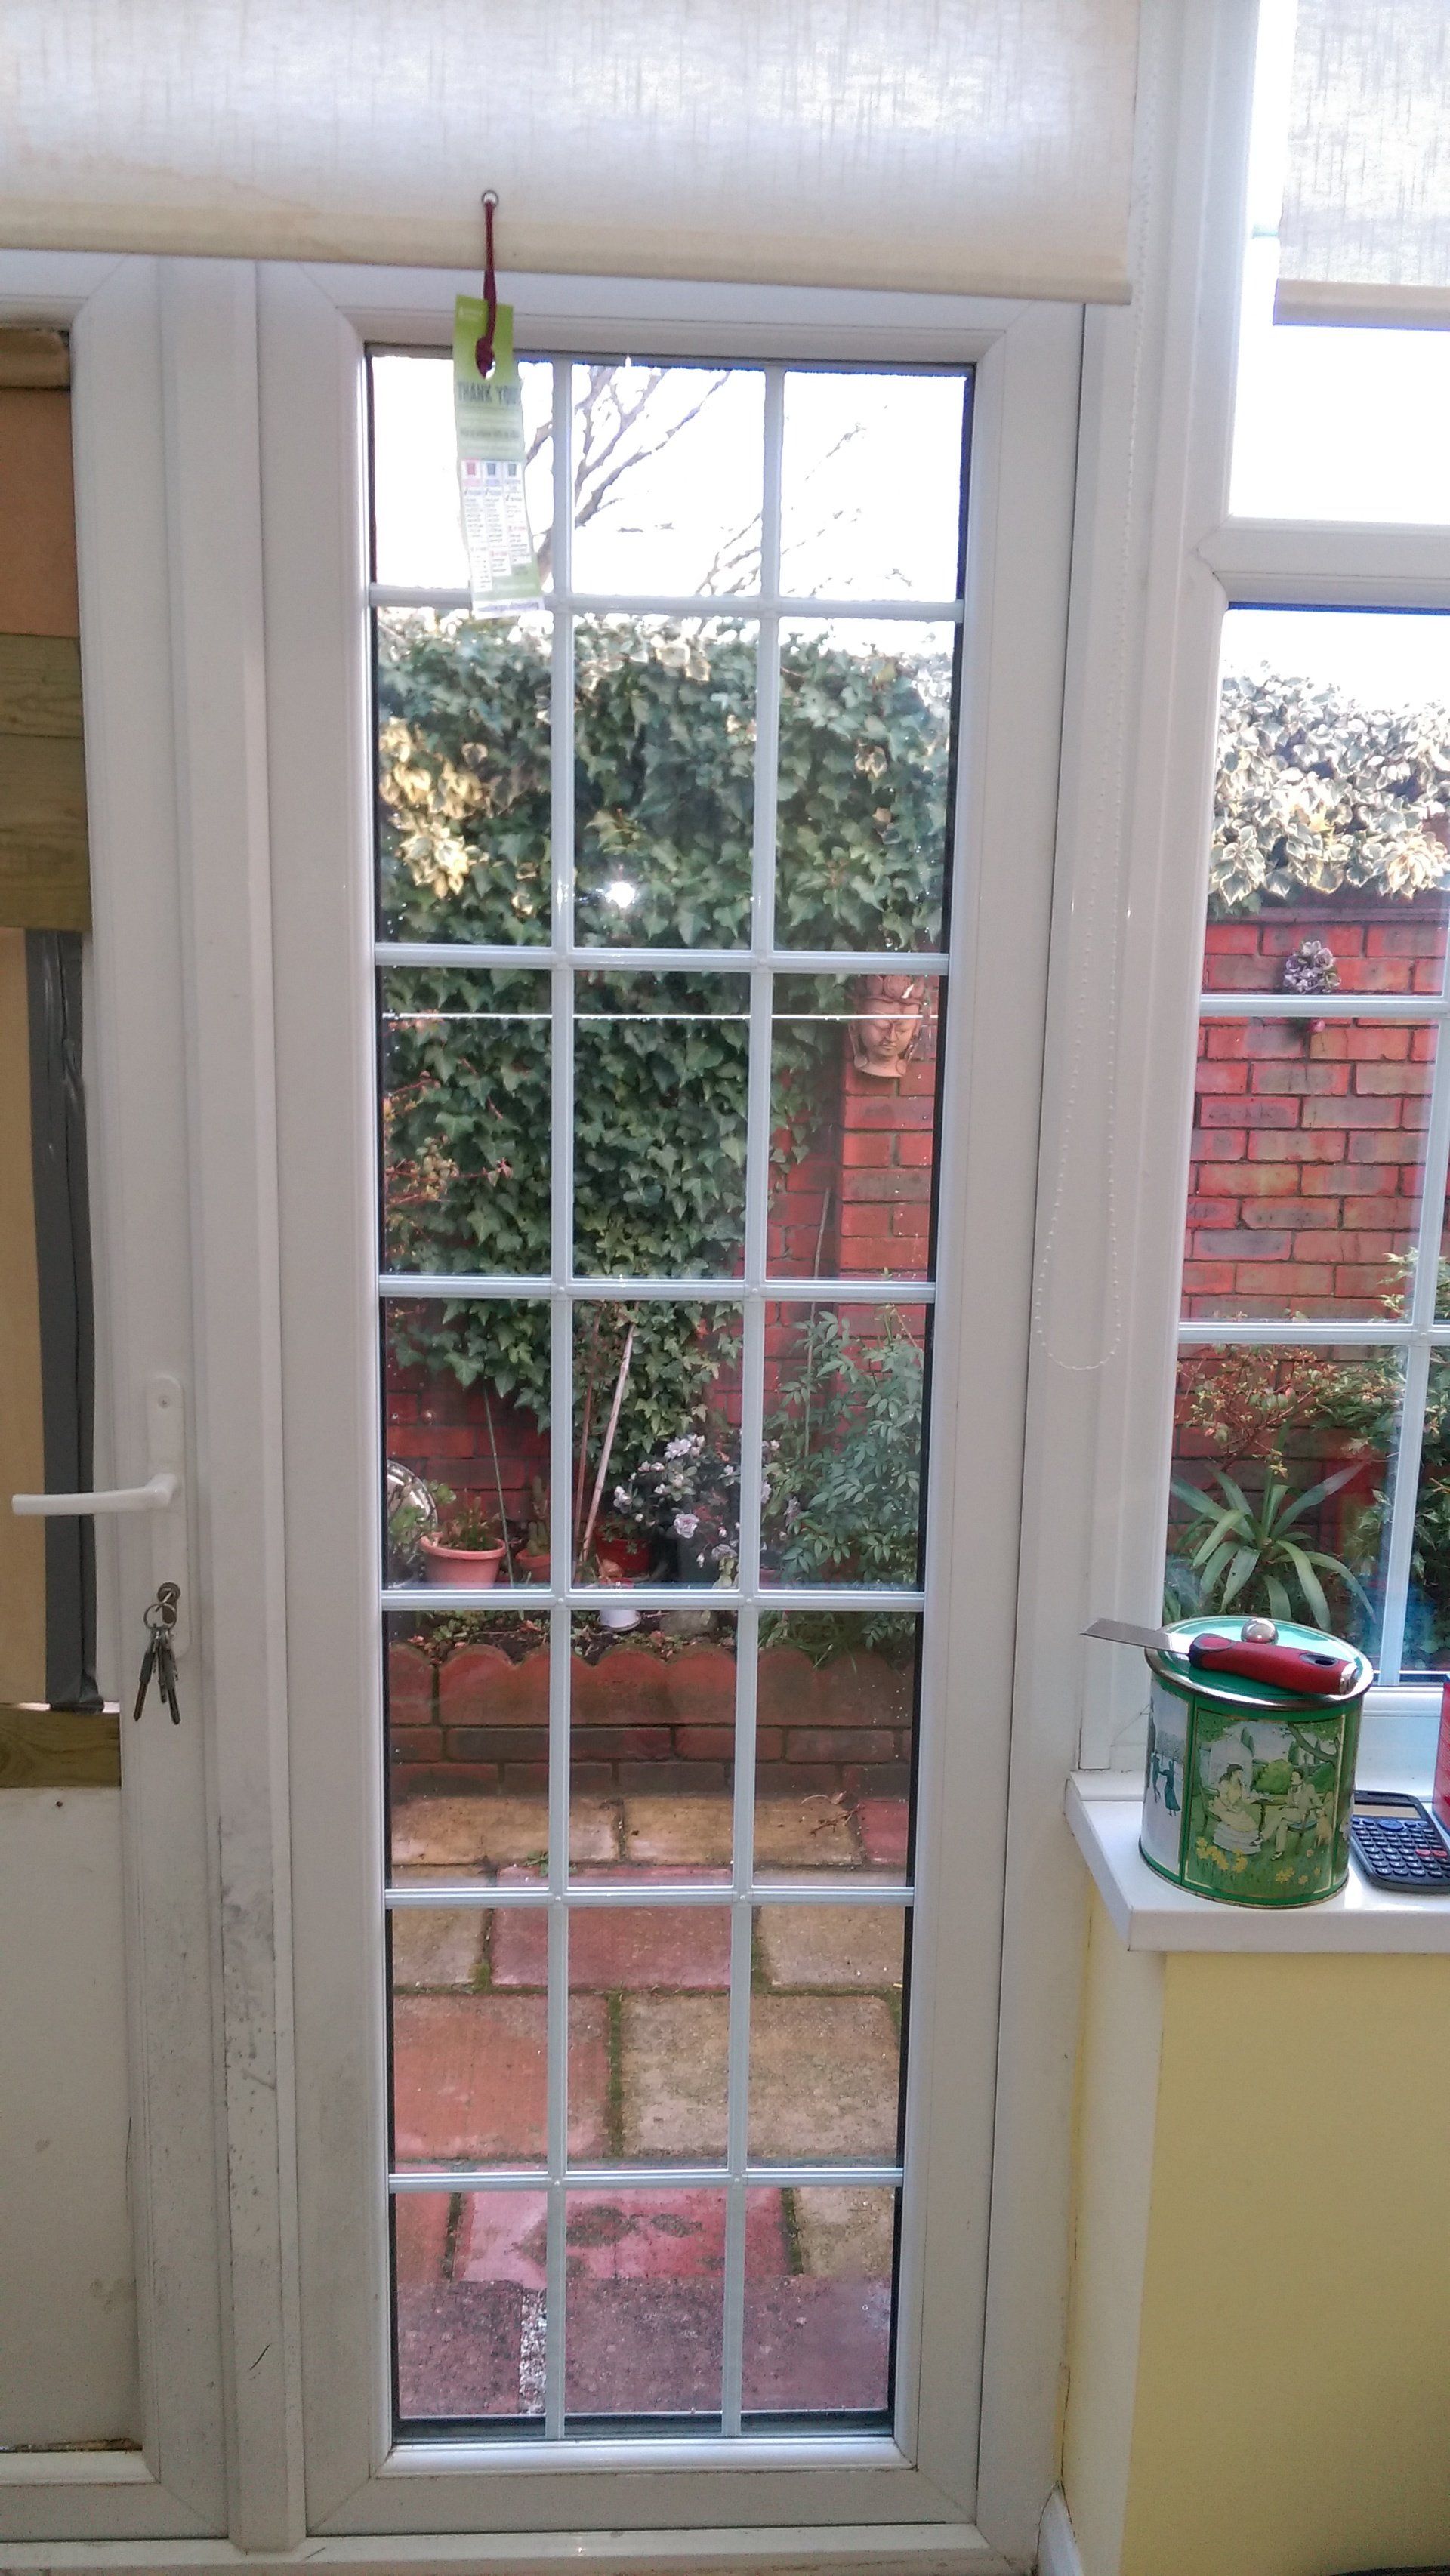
(177, 1066)
(222, 503)
(916, 2476)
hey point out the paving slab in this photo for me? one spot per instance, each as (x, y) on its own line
(460, 2352)
(883, 1826)
(810, 1829)
(615, 2235)
(812, 2345)
(846, 1946)
(420, 2233)
(684, 1828)
(847, 2234)
(672, 2065)
(435, 1946)
(483, 1831)
(644, 2348)
(823, 2078)
(470, 2078)
(630, 1948)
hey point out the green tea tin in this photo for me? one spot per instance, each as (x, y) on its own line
(1248, 1787)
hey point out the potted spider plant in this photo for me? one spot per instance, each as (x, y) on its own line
(1237, 1553)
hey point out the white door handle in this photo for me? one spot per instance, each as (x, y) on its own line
(163, 1496)
(156, 1495)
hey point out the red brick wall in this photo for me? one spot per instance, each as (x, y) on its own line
(1308, 1136)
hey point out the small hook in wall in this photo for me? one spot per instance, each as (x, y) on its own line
(483, 351)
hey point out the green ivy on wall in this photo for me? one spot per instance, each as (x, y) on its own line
(1316, 794)
(664, 815)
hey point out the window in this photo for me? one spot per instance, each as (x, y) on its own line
(662, 914)
(1311, 1465)
(1311, 1472)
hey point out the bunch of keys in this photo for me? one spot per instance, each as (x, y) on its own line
(159, 1658)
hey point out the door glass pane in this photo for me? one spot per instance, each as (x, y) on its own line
(468, 1741)
(645, 2303)
(853, 1071)
(465, 1095)
(469, 2269)
(835, 1740)
(662, 1974)
(659, 1124)
(466, 1462)
(862, 792)
(845, 1389)
(848, 437)
(656, 1481)
(818, 2270)
(652, 1698)
(825, 2034)
(664, 781)
(668, 469)
(661, 901)
(417, 534)
(463, 777)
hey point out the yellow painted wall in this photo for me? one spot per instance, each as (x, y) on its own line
(1117, 2091)
(1267, 2392)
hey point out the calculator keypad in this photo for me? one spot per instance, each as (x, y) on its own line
(1401, 1850)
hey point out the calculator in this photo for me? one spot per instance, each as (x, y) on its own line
(1398, 1844)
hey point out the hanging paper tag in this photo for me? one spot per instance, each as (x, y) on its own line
(488, 415)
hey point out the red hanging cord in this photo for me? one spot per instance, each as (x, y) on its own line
(483, 349)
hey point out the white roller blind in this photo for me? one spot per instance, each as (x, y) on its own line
(972, 146)
(1365, 235)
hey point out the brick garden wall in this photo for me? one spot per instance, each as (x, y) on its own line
(857, 1205)
(479, 1721)
(1304, 1184)
(1308, 1139)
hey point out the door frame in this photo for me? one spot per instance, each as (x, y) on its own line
(177, 1002)
(315, 325)
(226, 707)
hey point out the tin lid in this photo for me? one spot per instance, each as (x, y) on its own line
(1171, 1662)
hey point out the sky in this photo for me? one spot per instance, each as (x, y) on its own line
(1381, 658)
(869, 497)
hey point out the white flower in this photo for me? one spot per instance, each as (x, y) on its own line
(678, 1448)
(686, 1524)
(621, 1498)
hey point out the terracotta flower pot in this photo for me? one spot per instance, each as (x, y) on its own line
(531, 1564)
(474, 1567)
(630, 1558)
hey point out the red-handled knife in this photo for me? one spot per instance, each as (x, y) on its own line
(1251, 1659)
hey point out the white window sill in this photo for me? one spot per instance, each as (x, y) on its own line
(1149, 1913)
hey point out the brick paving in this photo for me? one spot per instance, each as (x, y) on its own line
(647, 2069)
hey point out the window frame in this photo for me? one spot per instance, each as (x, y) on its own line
(315, 325)
(1139, 770)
